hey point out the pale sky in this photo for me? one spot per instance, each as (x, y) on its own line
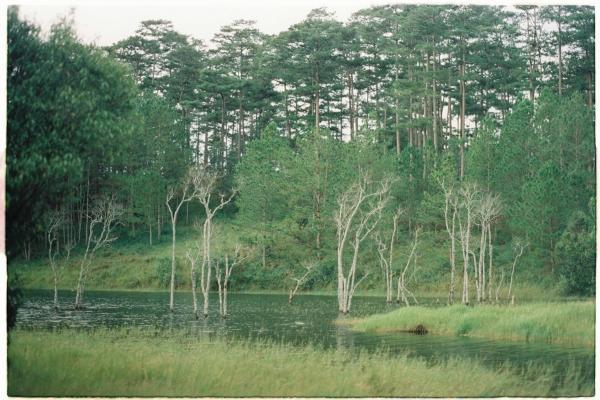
(108, 22)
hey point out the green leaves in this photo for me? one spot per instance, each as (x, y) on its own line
(69, 108)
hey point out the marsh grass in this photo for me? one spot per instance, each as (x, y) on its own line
(569, 323)
(134, 362)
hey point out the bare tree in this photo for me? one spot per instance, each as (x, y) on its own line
(451, 206)
(518, 247)
(386, 261)
(188, 192)
(193, 254)
(356, 216)
(468, 195)
(205, 183)
(309, 267)
(223, 280)
(403, 291)
(104, 216)
(55, 221)
(487, 210)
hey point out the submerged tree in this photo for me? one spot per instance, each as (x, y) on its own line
(223, 278)
(54, 223)
(309, 267)
(386, 261)
(193, 254)
(205, 182)
(105, 215)
(358, 214)
(188, 192)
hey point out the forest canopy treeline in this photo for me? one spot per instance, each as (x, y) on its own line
(440, 101)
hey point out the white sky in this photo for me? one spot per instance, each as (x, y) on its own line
(111, 21)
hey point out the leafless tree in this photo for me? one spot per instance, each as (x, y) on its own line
(451, 207)
(386, 261)
(55, 221)
(193, 254)
(358, 214)
(104, 216)
(518, 247)
(487, 210)
(185, 193)
(222, 280)
(205, 182)
(403, 291)
(468, 194)
(309, 267)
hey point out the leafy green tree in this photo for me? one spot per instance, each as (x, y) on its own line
(577, 252)
(263, 181)
(70, 108)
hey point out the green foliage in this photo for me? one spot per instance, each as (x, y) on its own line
(291, 120)
(577, 253)
(70, 107)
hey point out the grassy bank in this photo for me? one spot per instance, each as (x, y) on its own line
(569, 323)
(147, 363)
(131, 263)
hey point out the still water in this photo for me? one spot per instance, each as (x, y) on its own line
(308, 320)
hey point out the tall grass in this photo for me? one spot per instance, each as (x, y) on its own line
(570, 323)
(151, 363)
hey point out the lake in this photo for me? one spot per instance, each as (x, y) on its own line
(309, 320)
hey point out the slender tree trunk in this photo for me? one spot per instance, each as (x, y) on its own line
(490, 255)
(172, 286)
(481, 265)
(193, 279)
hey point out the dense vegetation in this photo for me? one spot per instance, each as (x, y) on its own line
(154, 363)
(438, 101)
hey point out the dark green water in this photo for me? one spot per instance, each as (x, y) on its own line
(308, 320)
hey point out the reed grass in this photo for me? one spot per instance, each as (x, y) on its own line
(569, 323)
(160, 363)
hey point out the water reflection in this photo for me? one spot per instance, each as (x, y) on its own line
(344, 338)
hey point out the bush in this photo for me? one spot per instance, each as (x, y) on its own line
(576, 251)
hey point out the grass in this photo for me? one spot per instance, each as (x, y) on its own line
(569, 323)
(160, 363)
(134, 264)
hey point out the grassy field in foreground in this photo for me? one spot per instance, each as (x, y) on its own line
(148, 363)
(565, 323)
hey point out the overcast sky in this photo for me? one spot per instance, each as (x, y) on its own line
(111, 21)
